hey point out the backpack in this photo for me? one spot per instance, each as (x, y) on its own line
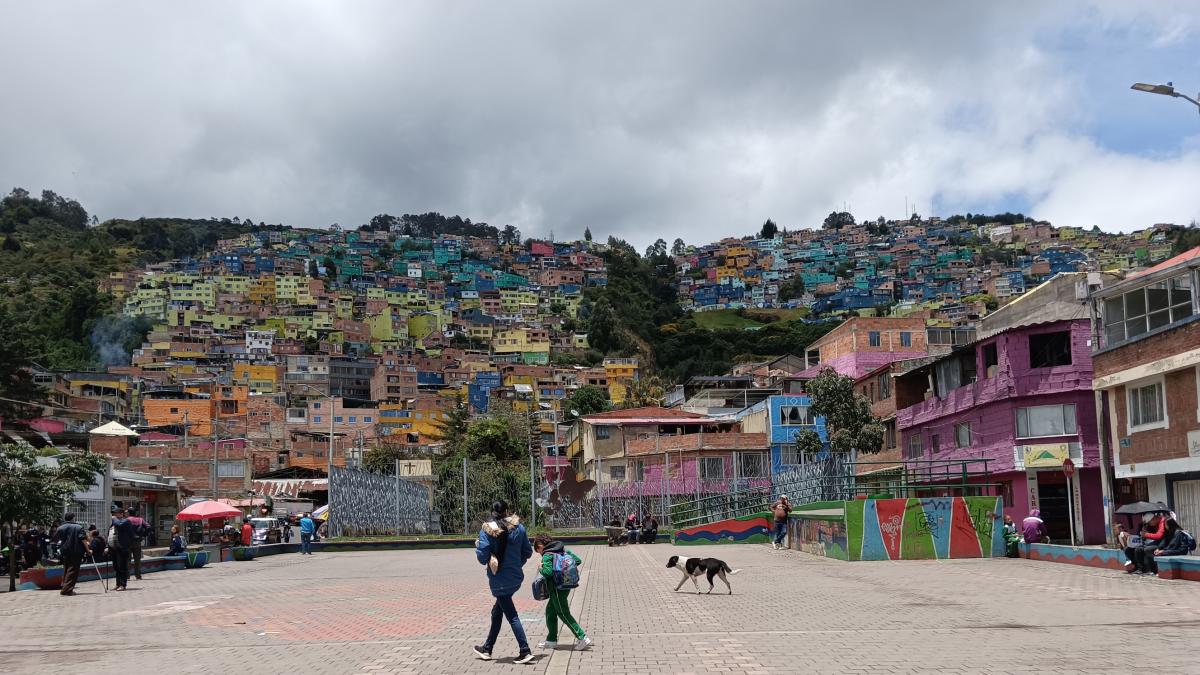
(1190, 541)
(540, 592)
(566, 573)
(143, 530)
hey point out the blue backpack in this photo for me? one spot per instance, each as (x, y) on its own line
(566, 573)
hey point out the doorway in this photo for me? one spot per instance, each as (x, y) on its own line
(1052, 500)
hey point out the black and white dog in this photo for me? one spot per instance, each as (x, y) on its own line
(693, 568)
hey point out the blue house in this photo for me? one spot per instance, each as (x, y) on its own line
(788, 415)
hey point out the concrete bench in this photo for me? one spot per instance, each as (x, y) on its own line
(1185, 567)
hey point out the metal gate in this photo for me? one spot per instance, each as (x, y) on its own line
(1187, 504)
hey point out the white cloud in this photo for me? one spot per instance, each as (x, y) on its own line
(683, 119)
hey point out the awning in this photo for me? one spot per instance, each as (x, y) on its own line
(113, 429)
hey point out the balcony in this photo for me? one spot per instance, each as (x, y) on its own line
(695, 442)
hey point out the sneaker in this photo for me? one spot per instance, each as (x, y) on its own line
(524, 657)
(583, 644)
(547, 644)
(483, 653)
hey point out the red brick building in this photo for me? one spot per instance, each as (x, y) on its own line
(1147, 369)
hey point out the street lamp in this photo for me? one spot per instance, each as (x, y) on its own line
(1167, 89)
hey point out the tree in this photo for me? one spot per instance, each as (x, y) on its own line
(493, 437)
(382, 459)
(587, 234)
(510, 235)
(313, 270)
(587, 400)
(381, 223)
(602, 328)
(643, 392)
(36, 494)
(658, 248)
(848, 419)
(453, 432)
(836, 220)
(769, 230)
(16, 382)
(678, 248)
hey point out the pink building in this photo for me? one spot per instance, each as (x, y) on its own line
(1021, 398)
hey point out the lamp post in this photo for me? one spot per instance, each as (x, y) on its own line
(1167, 89)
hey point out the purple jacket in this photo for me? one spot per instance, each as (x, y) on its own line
(1033, 529)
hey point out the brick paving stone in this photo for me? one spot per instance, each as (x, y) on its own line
(420, 612)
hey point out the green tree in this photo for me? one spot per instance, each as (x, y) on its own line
(836, 220)
(382, 459)
(587, 234)
(848, 419)
(37, 494)
(678, 247)
(644, 391)
(495, 437)
(602, 328)
(453, 431)
(769, 230)
(16, 382)
(587, 400)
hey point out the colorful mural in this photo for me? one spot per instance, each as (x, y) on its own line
(752, 529)
(818, 536)
(1186, 568)
(924, 529)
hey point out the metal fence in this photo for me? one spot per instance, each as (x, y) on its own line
(465, 489)
(367, 504)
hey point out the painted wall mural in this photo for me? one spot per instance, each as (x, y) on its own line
(752, 529)
(818, 536)
(924, 529)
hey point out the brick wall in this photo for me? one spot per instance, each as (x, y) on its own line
(1147, 350)
(854, 336)
(1159, 444)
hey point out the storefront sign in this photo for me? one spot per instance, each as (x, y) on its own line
(1047, 455)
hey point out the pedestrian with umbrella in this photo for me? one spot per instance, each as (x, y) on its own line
(1154, 526)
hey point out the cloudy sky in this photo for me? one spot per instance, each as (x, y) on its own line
(689, 119)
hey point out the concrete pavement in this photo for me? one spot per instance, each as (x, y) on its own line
(420, 612)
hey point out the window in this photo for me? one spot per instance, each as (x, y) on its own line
(991, 359)
(889, 433)
(354, 419)
(789, 456)
(616, 473)
(1047, 350)
(1046, 420)
(367, 419)
(962, 435)
(602, 433)
(935, 443)
(914, 447)
(885, 386)
(317, 405)
(338, 419)
(1131, 314)
(753, 465)
(794, 415)
(873, 338)
(905, 339)
(174, 411)
(231, 469)
(316, 419)
(639, 470)
(1147, 406)
(712, 468)
(812, 357)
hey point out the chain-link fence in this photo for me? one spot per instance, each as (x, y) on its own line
(369, 504)
(465, 490)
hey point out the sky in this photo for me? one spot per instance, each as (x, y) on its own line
(689, 119)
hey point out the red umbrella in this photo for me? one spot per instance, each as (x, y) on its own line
(207, 510)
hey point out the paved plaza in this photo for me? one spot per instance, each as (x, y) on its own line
(420, 612)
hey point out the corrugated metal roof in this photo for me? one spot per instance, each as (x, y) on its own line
(289, 487)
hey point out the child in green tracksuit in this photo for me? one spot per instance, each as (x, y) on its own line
(558, 605)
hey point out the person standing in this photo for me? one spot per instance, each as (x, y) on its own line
(780, 509)
(120, 546)
(247, 532)
(307, 527)
(558, 605)
(506, 580)
(98, 544)
(72, 544)
(141, 531)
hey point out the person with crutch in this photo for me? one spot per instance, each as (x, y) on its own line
(70, 539)
(120, 545)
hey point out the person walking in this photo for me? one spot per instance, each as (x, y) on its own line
(120, 546)
(307, 527)
(558, 606)
(503, 539)
(780, 509)
(71, 540)
(141, 530)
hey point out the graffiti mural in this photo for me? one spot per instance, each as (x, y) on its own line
(366, 503)
(924, 529)
(818, 536)
(752, 529)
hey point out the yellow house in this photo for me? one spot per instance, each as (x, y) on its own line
(344, 307)
(422, 324)
(376, 293)
(518, 340)
(322, 321)
(287, 286)
(232, 283)
(620, 372)
(261, 291)
(260, 379)
(225, 321)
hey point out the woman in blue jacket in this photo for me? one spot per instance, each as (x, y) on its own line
(503, 548)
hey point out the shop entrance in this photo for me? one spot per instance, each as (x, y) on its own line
(1052, 500)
